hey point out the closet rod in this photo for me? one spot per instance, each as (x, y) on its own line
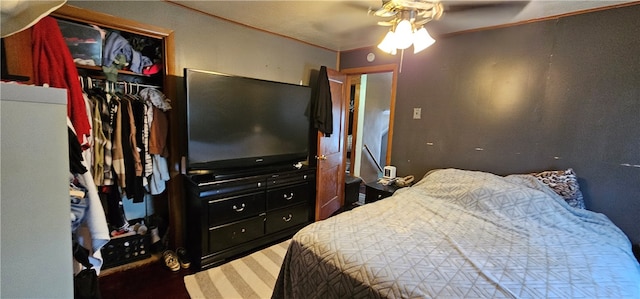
(137, 84)
(84, 80)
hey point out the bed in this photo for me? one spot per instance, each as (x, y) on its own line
(462, 234)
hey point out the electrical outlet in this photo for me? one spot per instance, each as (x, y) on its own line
(417, 113)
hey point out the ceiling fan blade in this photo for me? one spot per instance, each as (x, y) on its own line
(462, 15)
(383, 12)
(386, 23)
(460, 6)
(414, 4)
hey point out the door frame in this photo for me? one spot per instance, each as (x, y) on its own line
(353, 73)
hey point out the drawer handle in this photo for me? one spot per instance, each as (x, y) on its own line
(288, 197)
(287, 219)
(242, 231)
(240, 209)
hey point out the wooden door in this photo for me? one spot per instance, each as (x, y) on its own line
(330, 153)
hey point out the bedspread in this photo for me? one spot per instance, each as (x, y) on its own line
(462, 234)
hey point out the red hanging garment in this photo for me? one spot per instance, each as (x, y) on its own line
(53, 65)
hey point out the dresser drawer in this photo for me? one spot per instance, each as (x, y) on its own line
(286, 196)
(226, 188)
(290, 178)
(375, 191)
(288, 217)
(235, 208)
(232, 234)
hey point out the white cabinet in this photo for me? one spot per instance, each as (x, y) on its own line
(34, 193)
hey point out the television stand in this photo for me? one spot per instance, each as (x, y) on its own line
(234, 213)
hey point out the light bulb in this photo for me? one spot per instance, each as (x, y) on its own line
(388, 43)
(403, 35)
(422, 40)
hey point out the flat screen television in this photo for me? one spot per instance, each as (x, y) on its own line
(236, 122)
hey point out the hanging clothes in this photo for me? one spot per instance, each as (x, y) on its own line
(88, 221)
(156, 98)
(78, 201)
(117, 148)
(53, 65)
(159, 151)
(138, 145)
(77, 192)
(93, 232)
(75, 153)
(108, 123)
(87, 153)
(322, 111)
(157, 139)
(99, 139)
(159, 132)
(138, 109)
(129, 149)
(133, 167)
(148, 120)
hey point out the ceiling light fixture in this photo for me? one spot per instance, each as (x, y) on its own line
(407, 25)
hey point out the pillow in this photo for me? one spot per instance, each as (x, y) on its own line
(565, 184)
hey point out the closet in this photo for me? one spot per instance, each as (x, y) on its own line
(142, 75)
(150, 69)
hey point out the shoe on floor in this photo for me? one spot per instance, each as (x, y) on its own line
(171, 260)
(183, 258)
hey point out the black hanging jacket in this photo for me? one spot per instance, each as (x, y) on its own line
(322, 105)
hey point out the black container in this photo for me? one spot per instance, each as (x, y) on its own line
(124, 250)
(351, 191)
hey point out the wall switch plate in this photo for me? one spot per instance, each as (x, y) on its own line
(417, 113)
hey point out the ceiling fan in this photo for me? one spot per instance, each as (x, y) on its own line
(424, 11)
(408, 18)
(421, 11)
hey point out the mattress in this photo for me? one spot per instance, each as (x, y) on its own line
(462, 234)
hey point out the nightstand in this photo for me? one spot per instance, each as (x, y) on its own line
(375, 191)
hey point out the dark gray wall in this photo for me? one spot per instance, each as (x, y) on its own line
(547, 95)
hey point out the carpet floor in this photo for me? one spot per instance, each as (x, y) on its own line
(252, 276)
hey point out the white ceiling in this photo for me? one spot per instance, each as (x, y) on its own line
(347, 25)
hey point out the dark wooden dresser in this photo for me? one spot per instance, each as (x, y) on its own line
(235, 213)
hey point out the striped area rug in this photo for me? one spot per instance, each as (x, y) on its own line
(252, 276)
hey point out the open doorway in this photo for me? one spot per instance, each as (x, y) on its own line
(370, 120)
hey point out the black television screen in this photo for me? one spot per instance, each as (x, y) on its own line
(238, 122)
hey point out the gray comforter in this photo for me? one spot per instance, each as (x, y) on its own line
(462, 234)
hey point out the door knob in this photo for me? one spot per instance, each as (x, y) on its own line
(321, 157)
